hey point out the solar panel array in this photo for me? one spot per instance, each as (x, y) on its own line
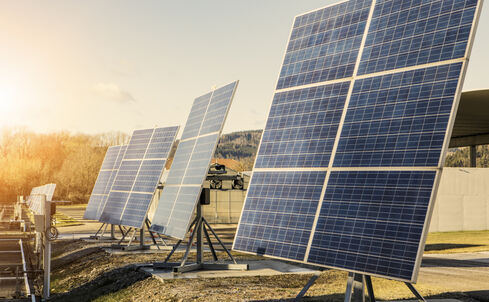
(351, 155)
(34, 200)
(191, 162)
(105, 179)
(138, 176)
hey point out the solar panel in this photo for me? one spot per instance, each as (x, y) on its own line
(34, 200)
(352, 152)
(137, 177)
(191, 162)
(104, 180)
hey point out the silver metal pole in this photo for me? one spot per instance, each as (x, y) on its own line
(47, 248)
(200, 238)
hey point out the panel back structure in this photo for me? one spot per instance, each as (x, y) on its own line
(137, 177)
(351, 155)
(34, 200)
(105, 179)
(191, 162)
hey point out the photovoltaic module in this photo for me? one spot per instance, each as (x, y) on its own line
(351, 155)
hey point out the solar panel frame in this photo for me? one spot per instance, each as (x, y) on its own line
(437, 169)
(151, 146)
(183, 181)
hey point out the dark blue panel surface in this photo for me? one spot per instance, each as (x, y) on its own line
(136, 210)
(372, 221)
(302, 126)
(161, 142)
(398, 119)
(126, 175)
(114, 207)
(413, 32)
(324, 44)
(138, 144)
(279, 212)
(149, 175)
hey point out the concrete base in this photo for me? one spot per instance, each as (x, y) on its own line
(149, 249)
(256, 268)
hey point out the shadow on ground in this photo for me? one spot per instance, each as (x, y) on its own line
(482, 296)
(447, 246)
(104, 284)
(443, 262)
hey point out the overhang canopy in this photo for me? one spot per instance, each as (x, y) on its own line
(472, 121)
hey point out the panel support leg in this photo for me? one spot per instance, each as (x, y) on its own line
(415, 292)
(306, 287)
(199, 228)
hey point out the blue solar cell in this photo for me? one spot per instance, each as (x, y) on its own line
(326, 46)
(114, 207)
(126, 175)
(138, 144)
(398, 119)
(178, 213)
(138, 176)
(104, 181)
(279, 212)
(180, 162)
(408, 33)
(198, 164)
(136, 211)
(372, 221)
(301, 127)
(196, 116)
(217, 109)
(161, 142)
(149, 175)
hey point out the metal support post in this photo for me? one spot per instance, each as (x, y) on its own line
(46, 257)
(473, 156)
(198, 228)
(415, 292)
(200, 238)
(306, 287)
(112, 232)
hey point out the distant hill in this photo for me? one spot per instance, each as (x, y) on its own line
(240, 146)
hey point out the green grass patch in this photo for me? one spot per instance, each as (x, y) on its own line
(63, 220)
(457, 242)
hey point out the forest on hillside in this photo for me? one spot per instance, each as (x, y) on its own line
(72, 161)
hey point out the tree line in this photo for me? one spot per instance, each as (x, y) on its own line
(72, 161)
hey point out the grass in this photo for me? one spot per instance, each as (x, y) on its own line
(457, 242)
(63, 220)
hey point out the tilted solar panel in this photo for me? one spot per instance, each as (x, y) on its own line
(34, 200)
(352, 152)
(191, 162)
(104, 181)
(137, 177)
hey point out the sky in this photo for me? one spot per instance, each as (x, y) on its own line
(100, 66)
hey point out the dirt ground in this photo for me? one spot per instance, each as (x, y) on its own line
(101, 276)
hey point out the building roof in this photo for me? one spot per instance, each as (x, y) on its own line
(472, 121)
